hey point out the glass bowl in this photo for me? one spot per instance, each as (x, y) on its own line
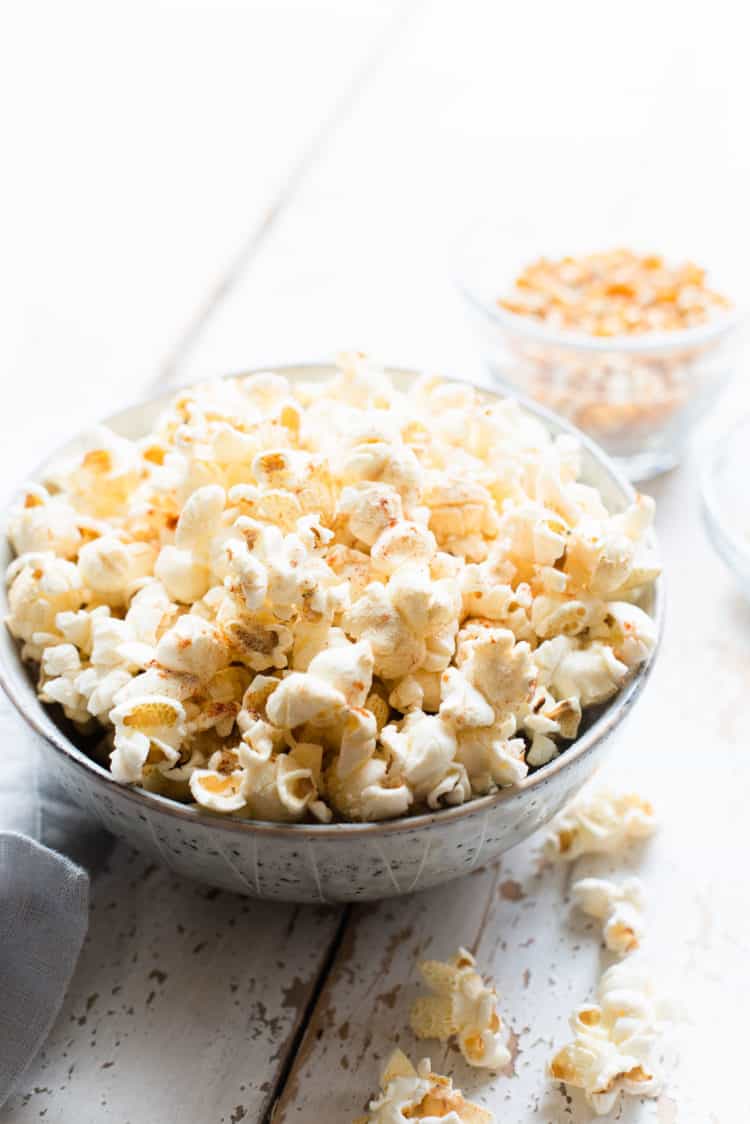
(724, 494)
(638, 396)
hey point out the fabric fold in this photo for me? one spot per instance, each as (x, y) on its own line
(43, 922)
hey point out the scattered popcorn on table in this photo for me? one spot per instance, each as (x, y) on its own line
(420, 1096)
(618, 905)
(304, 600)
(598, 821)
(613, 1040)
(460, 1005)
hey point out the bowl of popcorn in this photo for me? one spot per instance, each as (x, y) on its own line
(324, 634)
(631, 348)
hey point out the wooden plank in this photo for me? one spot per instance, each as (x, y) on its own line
(480, 117)
(151, 139)
(154, 153)
(580, 145)
(184, 1004)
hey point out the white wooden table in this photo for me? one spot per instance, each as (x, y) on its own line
(201, 189)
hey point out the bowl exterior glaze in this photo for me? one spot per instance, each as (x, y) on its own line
(336, 862)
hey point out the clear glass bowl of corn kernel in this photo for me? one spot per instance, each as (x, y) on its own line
(630, 347)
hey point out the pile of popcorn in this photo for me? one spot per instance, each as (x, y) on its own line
(614, 293)
(300, 600)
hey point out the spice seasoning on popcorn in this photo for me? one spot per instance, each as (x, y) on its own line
(300, 601)
(460, 1005)
(421, 1097)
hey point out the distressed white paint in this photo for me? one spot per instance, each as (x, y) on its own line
(562, 123)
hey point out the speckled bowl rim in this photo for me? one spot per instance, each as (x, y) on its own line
(13, 670)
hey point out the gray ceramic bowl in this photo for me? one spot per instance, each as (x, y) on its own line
(341, 861)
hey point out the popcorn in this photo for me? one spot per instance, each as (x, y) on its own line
(200, 520)
(410, 1094)
(598, 821)
(109, 568)
(613, 1040)
(403, 543)
(492, 759)
(500, 669)
(286, 787)
(397, 650)
(589, 674)
(419, 690)
(218, 788)
(194, 646)
(547, 718)
(460, 1005)
(618, 906)
(370, 792)
(184, 577)
(100, 482)
(44, 523)
(461, 703)
(61, 668)
(336, 679)
(369, 509)
(331, 597)
(41, 586)
(422, 749)
(148, 731)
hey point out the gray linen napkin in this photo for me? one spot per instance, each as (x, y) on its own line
(44, 888)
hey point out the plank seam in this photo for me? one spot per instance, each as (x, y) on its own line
(304, 1020)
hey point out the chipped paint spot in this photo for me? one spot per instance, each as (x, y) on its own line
(295, 995)
(514, 1049)
(511, 890)
(389, 997)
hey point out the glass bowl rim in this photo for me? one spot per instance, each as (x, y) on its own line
(643, 343)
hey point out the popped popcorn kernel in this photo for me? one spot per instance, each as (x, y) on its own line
(462, 1006)
(614, 1040)
(618, 906)
(419, 1095)
(599, 821)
